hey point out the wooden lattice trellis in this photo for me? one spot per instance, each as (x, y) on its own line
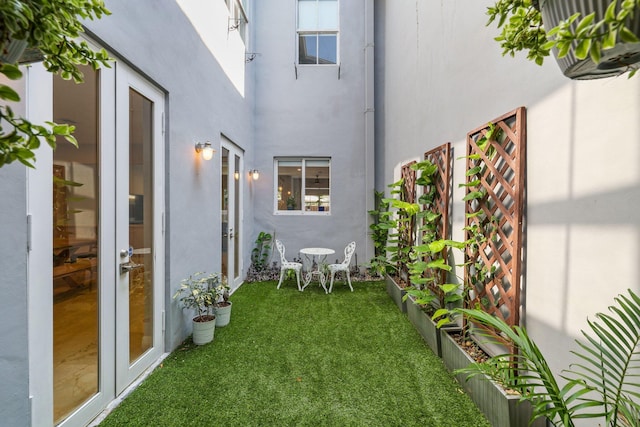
(441, 185)
(406, 238)
(494, 215)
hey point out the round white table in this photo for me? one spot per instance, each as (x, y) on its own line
(315, 260)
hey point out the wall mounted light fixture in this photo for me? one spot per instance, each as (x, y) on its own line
(255, 174)
(205, 149)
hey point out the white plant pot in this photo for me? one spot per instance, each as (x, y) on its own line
(203, 331)
(614, 61)
(223, 315)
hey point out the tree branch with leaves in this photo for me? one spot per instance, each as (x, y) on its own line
(52, 27)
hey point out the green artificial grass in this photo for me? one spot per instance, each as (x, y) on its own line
(291, 358)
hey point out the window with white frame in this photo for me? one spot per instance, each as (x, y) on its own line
(317, 32)
(237, 17)
(302, 185)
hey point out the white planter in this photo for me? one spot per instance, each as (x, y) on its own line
(223, 315)
(203, 331)
(614, 61)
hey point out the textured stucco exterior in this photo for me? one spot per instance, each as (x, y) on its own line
(440, 75)
(313, 111)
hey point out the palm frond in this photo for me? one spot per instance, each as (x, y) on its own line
(601, 385)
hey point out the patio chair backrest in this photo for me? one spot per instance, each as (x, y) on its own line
(281, 249)
(348, 253)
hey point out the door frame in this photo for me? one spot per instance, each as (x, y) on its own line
(234, 150)
(127, 78)
(38, 104)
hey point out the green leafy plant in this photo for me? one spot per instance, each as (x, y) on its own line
(200, 292)
(402, 234)
(520, 22)
(51, 27)
(382, 222)
(429, 267)
(261, 253)
(602, 384)
(291, 202)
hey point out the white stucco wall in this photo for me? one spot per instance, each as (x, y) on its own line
(441, 74)
(319, 112)
(204, 100)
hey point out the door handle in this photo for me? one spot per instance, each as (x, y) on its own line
(126, 267)
(231, 233)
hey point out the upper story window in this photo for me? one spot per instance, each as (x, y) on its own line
(317, 31)
(237, 17)
(303, 185)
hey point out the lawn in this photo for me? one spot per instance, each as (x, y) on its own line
(295, 358)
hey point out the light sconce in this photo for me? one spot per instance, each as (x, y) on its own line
(255, 174)
(236, 175)
(205, 149)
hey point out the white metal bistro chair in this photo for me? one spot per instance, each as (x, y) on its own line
(343, 266)
(287, 265)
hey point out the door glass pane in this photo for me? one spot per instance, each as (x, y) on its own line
(224, 203)
(236, 220)
(75, 246)
(140, 224)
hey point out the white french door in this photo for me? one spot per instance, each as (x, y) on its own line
(106, 236)
(232, 181)
(139, 213)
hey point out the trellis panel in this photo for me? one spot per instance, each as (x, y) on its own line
(441, 157)
(502, 185)
(407, 234)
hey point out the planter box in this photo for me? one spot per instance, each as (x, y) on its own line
(396, 293)
(500, 408)
(424, 325)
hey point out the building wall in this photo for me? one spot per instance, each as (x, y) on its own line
(319, 112)
(441, 75)
(203, 102)
(14, 361)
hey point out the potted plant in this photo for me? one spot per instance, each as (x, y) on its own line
(291, 203)
(195, 293)
(222, 305)
(590, 39)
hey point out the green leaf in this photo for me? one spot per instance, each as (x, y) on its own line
(628, 36)
(473, 171)
(610, 40)
(8, 94)
(594, 52)
(585, 22)
(582, 50)
(610, 13)
(473, 196)
(11, 71)
(449, 287)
